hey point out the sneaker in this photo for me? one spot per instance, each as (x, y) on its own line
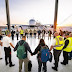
(54, 68)
(11, 65)
(63, 63)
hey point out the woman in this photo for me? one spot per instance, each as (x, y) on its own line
(37, 51)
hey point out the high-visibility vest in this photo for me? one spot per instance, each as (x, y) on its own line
(6, 32)
(69, 46)
(59, 43)
(21, 31)
(26, 31)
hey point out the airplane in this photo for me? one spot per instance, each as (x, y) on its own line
(33, 24)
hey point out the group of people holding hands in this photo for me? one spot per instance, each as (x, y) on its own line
(58, 44)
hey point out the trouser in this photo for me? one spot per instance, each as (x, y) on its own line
(49, 35)
(26, 34)
(21, 35)
(39, 36)
(65, 55)
(7, 54)
(12, 37)
(17, 36)
(70, 55)
(25, 64)
(35, 35)
(30, 34)
(43, 35)
(56, 56)
(40, 65)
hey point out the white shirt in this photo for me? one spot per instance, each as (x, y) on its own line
(53, 43)
(6, 41)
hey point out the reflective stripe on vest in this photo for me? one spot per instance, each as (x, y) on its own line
(59, 43)
(69, 46)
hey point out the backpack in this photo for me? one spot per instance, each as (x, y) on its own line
(44, 54)
(21, 54)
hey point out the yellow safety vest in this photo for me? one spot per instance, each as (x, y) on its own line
(59, 43)
(6, 31)
(21, 31)
(69, 46)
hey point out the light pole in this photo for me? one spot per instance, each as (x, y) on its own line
(56, 12)
(7, 14)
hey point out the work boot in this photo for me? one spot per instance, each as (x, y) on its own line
(6, 63)
(54, 68)
(63, 63)
(11, 65)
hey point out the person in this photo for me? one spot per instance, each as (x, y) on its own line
(17, 34)
(39, 34)
(61, 33)
(49, 34)
(37, 51)
(26, 33)
(30, 33)
(43, 33)
(12, 34)
(7, 43)
(25, 57)
(67, 49)
(21, 32)
(6, 32)
(57, 46)
(35, 33)
(0, 44)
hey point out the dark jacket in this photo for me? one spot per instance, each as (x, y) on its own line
(66, 44)
(38, 49)
(27, 48)
(13, 32)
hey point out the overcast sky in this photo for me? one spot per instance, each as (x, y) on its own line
(21, 11)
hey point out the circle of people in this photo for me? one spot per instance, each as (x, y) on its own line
(62, 42)
(30, 33)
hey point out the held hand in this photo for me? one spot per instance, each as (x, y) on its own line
(31, 54)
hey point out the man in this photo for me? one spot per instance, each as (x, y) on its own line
(30, 33)
(21, 32)
(49, 34)
(57, 44)
(22, 46)
(26, 33)
(61, 33)
(7, 43)
(6, 32)
(39, 34)
(67, 49)
(12, 34)
(17, 34)
(43, 33)
(34, 33)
